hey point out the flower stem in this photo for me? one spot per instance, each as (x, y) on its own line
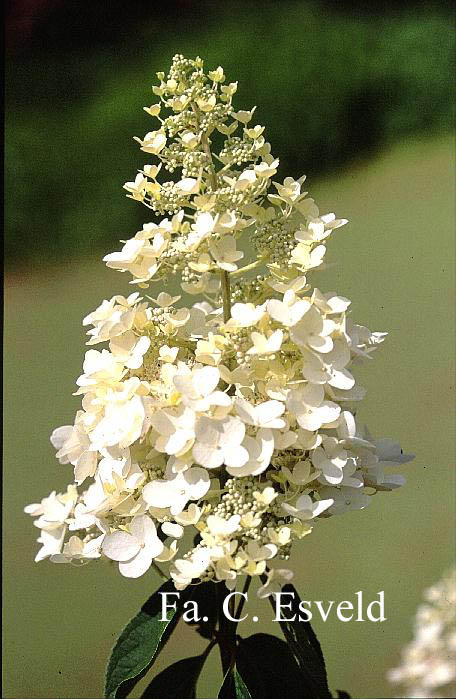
(252, 265)
(244, 592)
(224, 275)
(226, 294)
(226, 635)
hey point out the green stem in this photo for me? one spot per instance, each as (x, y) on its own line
(226, 294)
(244, 592)
(224, 275)
(226, 635)
(252, 265)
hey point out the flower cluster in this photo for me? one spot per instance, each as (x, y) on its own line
(231, 417)
(428, 667)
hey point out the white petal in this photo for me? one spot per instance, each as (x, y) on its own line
(143, 529)
(304, 502)
(321, 506)
(168, 552)
(309, 421)
(207, 456)
(159, 493)
(328, 411)
(60, 436)
(176, 442)
(232, 432)
(208, 431)
(341, 379)
(120, 546)
(268, 412)
(162, 423)
(198, 482)
(172, 529)
(266, 439)
(235, 456)
(347, 425)
(332, 473)
(313, 395)
(246, 411)
(137, 565)
(220, 398)
(85, 466)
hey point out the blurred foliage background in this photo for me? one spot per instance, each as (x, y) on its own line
(358, 96)
(334, 82)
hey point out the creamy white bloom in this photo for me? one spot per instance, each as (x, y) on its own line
(220, 442)
(222, 425)
(186, 570)
(310, 407)
(330, 459)
(290, 310)
(176, 429)
(305, 508)
(265, 414)
(79, 550)
(176, 492)
(225, 254)
(197, 387)
(136, 549)
(246, 314)
(276, 577)
(428, 662)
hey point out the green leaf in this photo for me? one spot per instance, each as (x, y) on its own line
(269, 670)
(140, 643)
(233, 686)
(305, 647)
(177, 681)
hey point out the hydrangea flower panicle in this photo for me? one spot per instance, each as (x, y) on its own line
(230, 414)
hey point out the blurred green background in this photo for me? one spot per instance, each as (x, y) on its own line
(359, 99)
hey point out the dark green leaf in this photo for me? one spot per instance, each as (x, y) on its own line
(140, 642)
(233, 686)
(269, 670)
(177, 681)
(304, 645)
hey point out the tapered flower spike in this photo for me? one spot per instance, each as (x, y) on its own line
(231, 416)
(428, 662)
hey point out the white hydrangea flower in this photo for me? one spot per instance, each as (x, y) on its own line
(187, 569)
(73, 446)
(246, 314)
(80, 550)
(289, 311)
(310, 407)
(197, 387)
(135, 550)
(330, 459)
(176, 429)
(220, 442)
(276, 577)
(428, 663)
(153, 142)
(225, 254)
(344, 499)
(227, 417)
(176, 492)
(305, 508)
(265, 414)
